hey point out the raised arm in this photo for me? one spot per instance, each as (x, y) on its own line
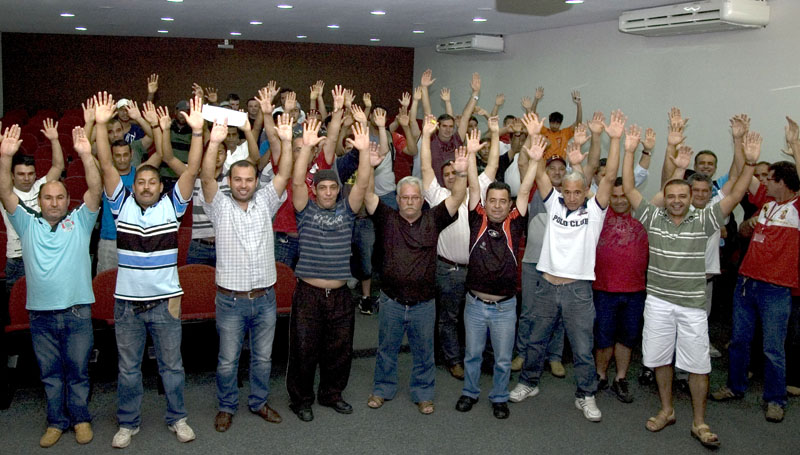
(473, 184)
(311, 138)
(444, 94)
(359, 190)
(533, 125)
(164, 122)
(8, 148)
(614, 131)
(426, 81)
(537, 96)
(404, 121)
(576, 157)
(499, 100)
(264, 98)
(329, 146)
(494, 149)
(208, 178)
(674, 138)
(576, 98)
(320, 89)
(680, 162)
(94, 192)
(152, 87)
(253, 154)
(648, 144)
(50, 131)
(136, 115)
(459, 191)
(281, 179)
(195, 120)
(752, 150)
(366, 98)
(88, 119)
(463, 123)
(412, 112)
(628, 183)
(535, 152)
(793, 141)
(595, 144)
(104, 110)
(426, 168)
(150, 115)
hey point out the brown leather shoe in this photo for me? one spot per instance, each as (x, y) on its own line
(269, 414)
(223, 421)
(457, 371)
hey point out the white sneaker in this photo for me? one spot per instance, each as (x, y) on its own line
(589, 408)
(713, 352)
(182, 430)
(522, 391)
(123, 437)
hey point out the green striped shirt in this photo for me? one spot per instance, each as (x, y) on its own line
(677, 269)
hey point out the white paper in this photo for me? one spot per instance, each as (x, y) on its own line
(219, 114)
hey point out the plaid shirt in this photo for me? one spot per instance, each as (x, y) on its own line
(245, 244)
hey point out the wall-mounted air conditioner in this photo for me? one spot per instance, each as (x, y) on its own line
(470, 44)
(696, 17)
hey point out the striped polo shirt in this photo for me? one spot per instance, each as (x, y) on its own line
(147, 245)
(325, 237)
(677, 269)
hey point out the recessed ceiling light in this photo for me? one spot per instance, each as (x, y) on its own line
(333, 26)
(83, 29)
(236, 33)
(478, 19)
(374, 40)
(256, 23)
(67, 15)
(284, 6)
(175, 1)
(485, 9)
(302, 36)
(378, 12)
(576, 2)
(163, 31)
(167, 19)
(418, 31)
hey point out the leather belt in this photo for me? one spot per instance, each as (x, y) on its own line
(205, 241)
(449, 262)
(252, 294)
(489, 302)
(404, 302)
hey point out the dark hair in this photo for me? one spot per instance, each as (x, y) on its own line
(148, 167)
(233, 97)
(556, 117)
(498, 185)
(243, 163)
(120, 143)
(252, 99)
(760, 163)
(285, 90)
(698, 177)
(472, 117)
(505, 119)
(444, 117)
(445, 164)
(602, 162)
(786, 172)
(375, 107)
(20, 159)
(275, 116)
(678, 182)
(618, 181)
(705, 152)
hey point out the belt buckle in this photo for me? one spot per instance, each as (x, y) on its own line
(252, 294)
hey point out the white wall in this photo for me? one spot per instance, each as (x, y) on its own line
(709, 76)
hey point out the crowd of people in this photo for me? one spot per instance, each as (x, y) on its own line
(455, 222)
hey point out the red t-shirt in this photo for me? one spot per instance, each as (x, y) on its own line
(402, 163)
(622, 252)
(284, 219)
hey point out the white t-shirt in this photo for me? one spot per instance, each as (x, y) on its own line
(570, 241)
(512, 177)
(241, 152)
(31, 200)
(712, 247)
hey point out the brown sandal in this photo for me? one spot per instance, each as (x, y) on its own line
(660, 421)
(374, 401)
(705, 436)
(425, 407)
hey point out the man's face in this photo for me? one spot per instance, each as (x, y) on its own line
(53, 201)
(243, 183)
(619, 202)
(677, 198)
(283, 99)
(232, 140)
(762, 173)
(446, 130)
(147, 188)
(122, 114)
(222, 153)
(774, 188)
(449, 176)
(473, 125)
(24, 177)
(252, 108)
(705, 164)
(507, 122)
(574, 193)
(234, 104)
(555, 126)
(556, 171)
(326, 192)
(115, 132)
(498, 205)
(701, 194)
(409, 200)
(294, 113)
(121, 156)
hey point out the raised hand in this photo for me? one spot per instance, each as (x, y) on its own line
(104, 107)
(632, 138)
(284, 127)
(752, 146)
(360, 139)
(675, 135)
(11, 141)
(367, 99)
(527, 103)
(616, 126)
(675, 119)
(539, 93)
(88, 111)
(429, 125)
(418, 93)
(219, 131)
(649, 141)
(461, 162)
(574, 154)
(402, 116)
(133, 111)
(164, 119)
(211, 94)
(338, 97)
(264, 99)
(532, 123)
(319, 86)
(272, 89)
(427, 78)
(348, 98)
(475, 84)
(536, 151)
(291, 101)
(740, 124)
(792, 131)
(684, 157)
(581, 134)
(444, 94)
(195, 117)
(481, 111)
(313, 93)
(358, 114)
(197, 89)
(311, 135)
(375, 157)
(494, 124)
(149, 113)
(79, 141)
(50, 130)
(152, 83)
(405, 100)
(499, 100)
(379, 115)
(473, 141)
(576, 97)
(597, 122)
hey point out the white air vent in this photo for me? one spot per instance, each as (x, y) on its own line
(470, 44)
(696, 17)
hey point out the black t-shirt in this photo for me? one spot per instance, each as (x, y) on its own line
(409, 261)
(493, 252)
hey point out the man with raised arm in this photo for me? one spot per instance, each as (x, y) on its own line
(323, 315)
(26, 187)
(557, 136)
(495, 233)
(148, 294)
(409, 238)
(675, 323)
(567, 265)
(55, 245)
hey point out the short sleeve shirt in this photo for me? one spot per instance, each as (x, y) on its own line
(558, 141)
(774, 252)
(493, 252)
(31, 201)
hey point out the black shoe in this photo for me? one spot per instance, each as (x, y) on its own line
(365, 305)
(303, 412)
(465, 403)
(620, 389)
(683, 386)
(602, 384)
(647, 377)
(341, 406)
(500, 410)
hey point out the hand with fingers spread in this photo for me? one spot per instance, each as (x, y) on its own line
(581, 135)
(494, 125)
(104, 107)
(429, 125)
(597, 122)
(444, 94)
(379, 116)
(149, 113)
(164, 119)
(532, 123)
(348, 98)
(649, 141)
(576, 97)
(338, 95)
(197, 89)
(473, 141)
(133, 111)
(358, 114)
(11, 141)
(499, 100)
(212, 95)
(792, 131)
(219, 132)
(616, 126)
(475, 84)
(195, 117)
(313, 94)
(402, 116)
(152, 83)
(574, 154)
(675, 135)
(539, 93)
(632, 138)
(367, 99)
(284, 127)
(290, 102)
(405, 100)
(375, 157)
(79, 141)
(360, 139)
(527, 103)
(740, 124)
(311, 135)
(536, 150)
(427, 78)
(88, 111)
(752, 146)
(264, 99)
(272, 89)
(684, 157)
(675, 119)
(461, 163)
(50, 130)
(418, 93)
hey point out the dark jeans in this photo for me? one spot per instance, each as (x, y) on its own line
(202, 253)
(450, 292)
(793, 345)
(320, 332)
(619, 318)
(287, 249)
(15, 269)
(363, 244)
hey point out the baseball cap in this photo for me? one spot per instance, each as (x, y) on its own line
(325, 174)
(182, 105)
(122, 103)
(556, 158)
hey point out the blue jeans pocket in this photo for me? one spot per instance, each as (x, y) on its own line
(82, 311)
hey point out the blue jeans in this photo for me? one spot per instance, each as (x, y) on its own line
(619, 318)
(450, 292)
(235, 317)
(62, 342)
(755, 299)
(287, 249)
(131, 330)
(202, 253)
(363, 244)
(573, 303)
(395, 320)
(15, 269)
(498, 320)
(555, 348)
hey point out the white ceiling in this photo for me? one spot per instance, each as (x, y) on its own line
(216, 19)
